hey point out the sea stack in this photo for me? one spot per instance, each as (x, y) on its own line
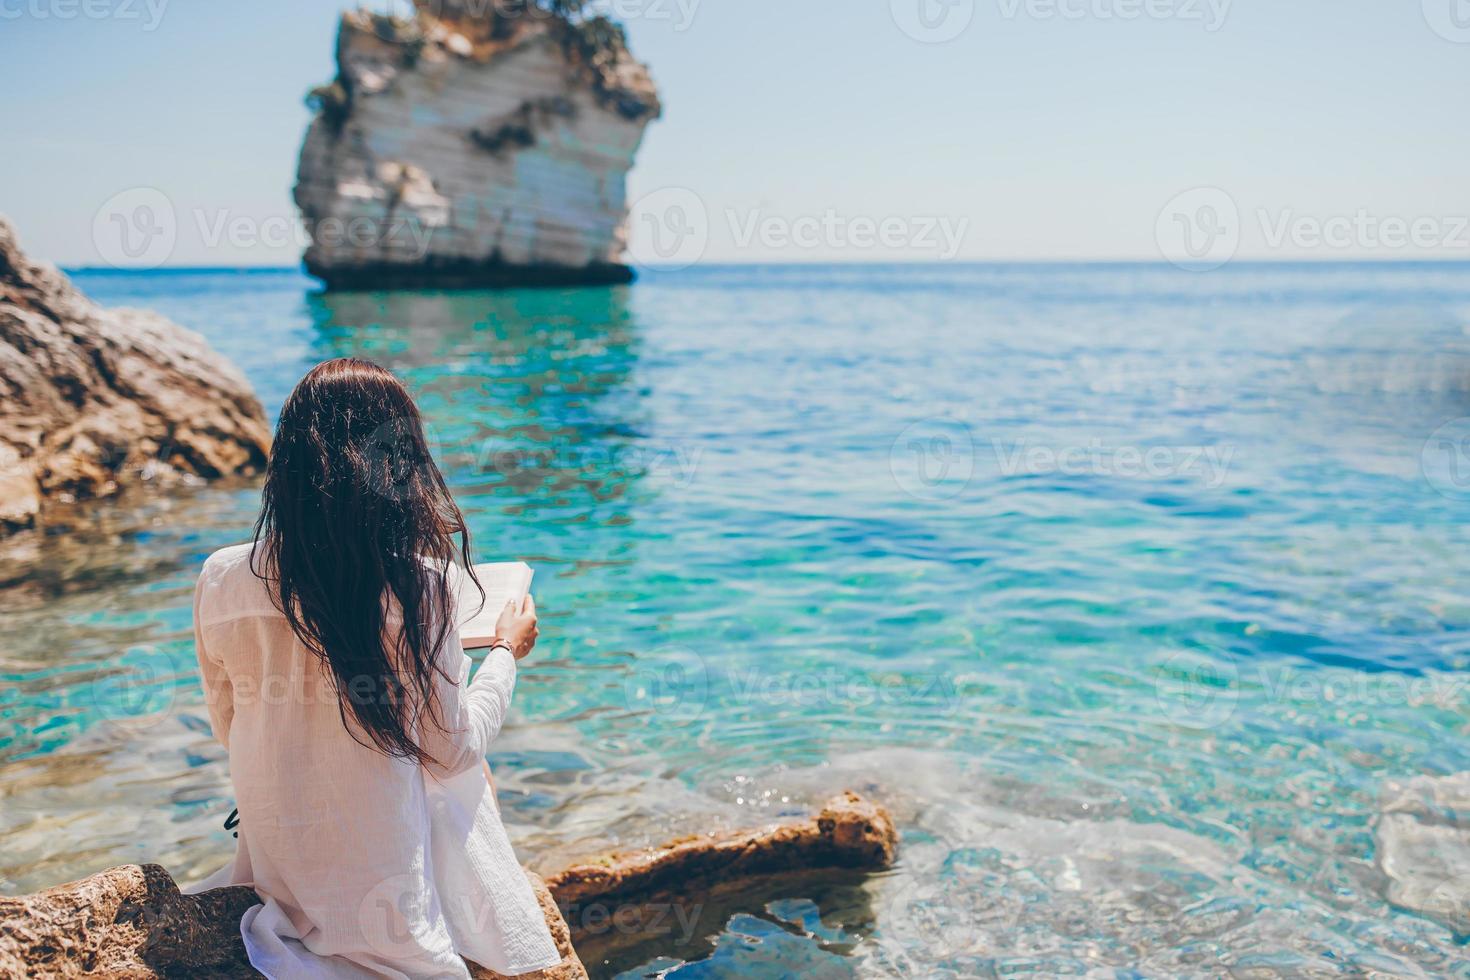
(474, 145)
(96, 399)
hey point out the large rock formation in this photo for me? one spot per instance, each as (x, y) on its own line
(132, 921)
(92, 399)
(480, 144)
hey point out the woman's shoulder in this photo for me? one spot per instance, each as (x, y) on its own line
(228, 559)
(228, 584)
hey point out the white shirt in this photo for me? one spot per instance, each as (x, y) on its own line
(366, 865)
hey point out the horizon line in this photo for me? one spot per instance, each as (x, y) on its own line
(839, 263)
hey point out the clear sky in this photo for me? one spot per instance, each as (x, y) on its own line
(1041, 129)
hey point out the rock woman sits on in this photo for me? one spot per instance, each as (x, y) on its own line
(336, 680)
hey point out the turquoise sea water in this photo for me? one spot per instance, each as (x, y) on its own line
(1132, 592)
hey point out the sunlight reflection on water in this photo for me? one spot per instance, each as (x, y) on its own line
(1125, 588)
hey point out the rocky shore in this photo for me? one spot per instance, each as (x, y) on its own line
(132, 921)
(92, 400)
(473, 145)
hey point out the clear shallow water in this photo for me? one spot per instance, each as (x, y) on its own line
(1130, 591)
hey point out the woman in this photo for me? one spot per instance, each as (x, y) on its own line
(335, 679)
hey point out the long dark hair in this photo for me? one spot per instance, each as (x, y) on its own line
(357, 521)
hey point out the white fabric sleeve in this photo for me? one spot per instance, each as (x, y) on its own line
(219, 693)
(471, 714)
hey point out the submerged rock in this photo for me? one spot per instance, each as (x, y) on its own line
(94, 399)
(1423, 839)
(473, 145)
(850, 832)
(132, 921)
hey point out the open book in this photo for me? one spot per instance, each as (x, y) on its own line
(503, 582)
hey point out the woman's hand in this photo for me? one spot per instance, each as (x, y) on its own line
(518, 627)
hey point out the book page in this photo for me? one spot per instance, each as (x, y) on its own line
(503, 582)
